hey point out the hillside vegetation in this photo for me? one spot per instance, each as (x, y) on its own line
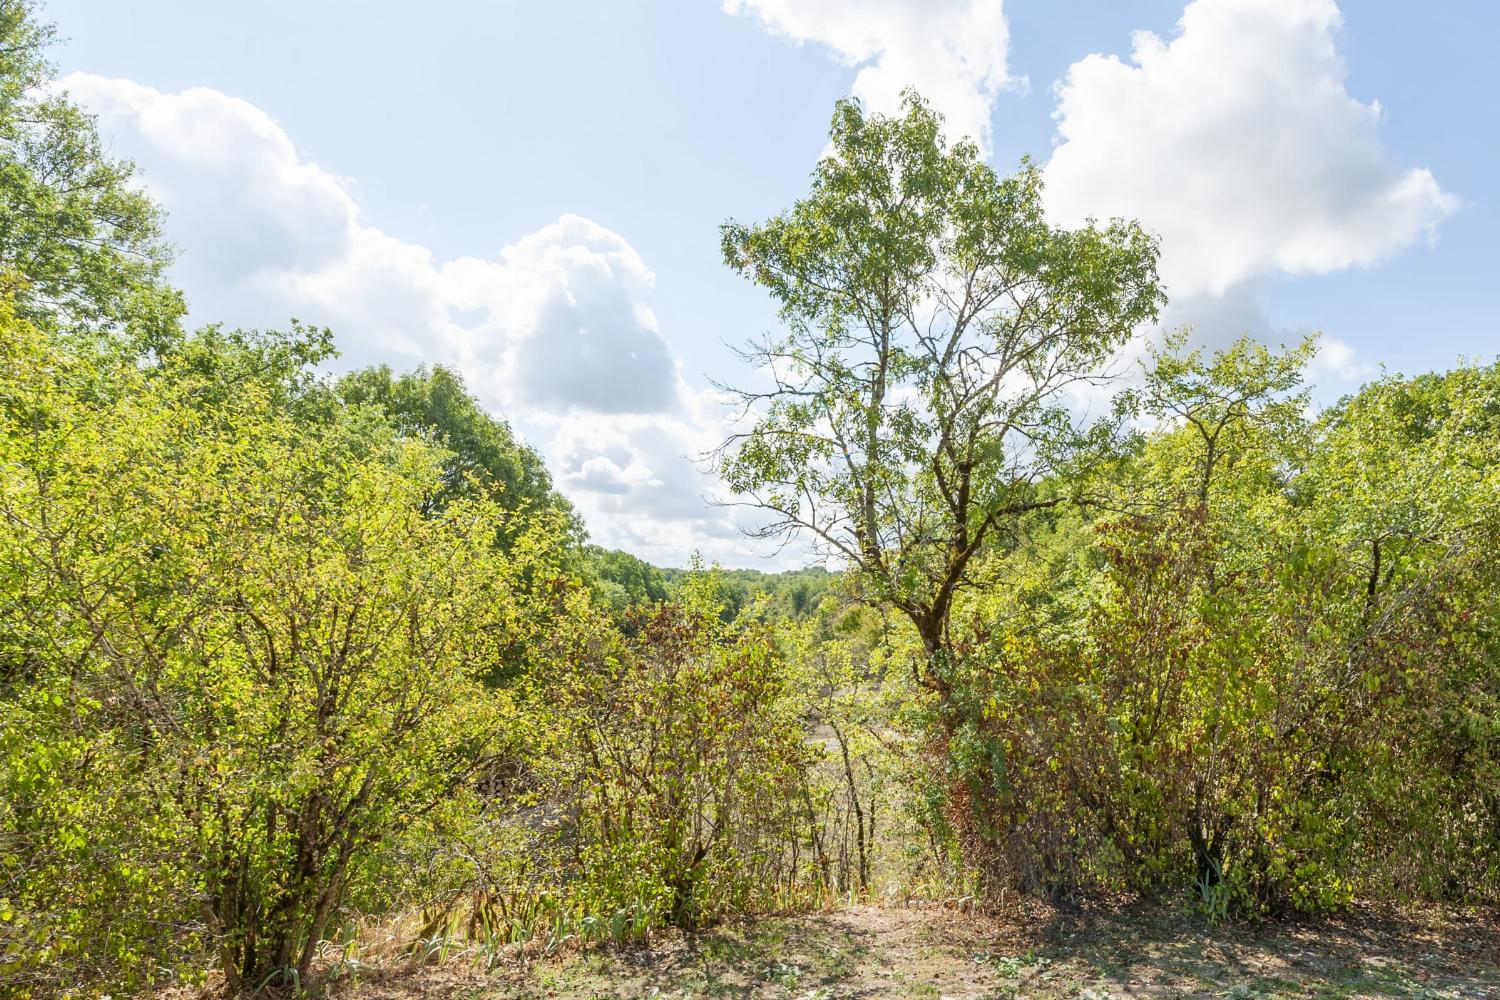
(291, 660)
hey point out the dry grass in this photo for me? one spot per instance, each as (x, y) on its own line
(940, 952)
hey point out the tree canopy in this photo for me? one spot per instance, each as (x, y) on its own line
(485, 456)
(79, 242)
(935, 324)
(300, 672)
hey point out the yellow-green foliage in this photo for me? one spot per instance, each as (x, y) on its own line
(281, 655)
(683, 765)
(1273, 682)
(239, 656)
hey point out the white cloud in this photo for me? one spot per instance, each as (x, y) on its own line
(1239, 144)
(569, 327)
(1218, 320)
(264, 234)
(1336, 365)
(558, 320)
(642, 476)
(555, 332)
(952, 51)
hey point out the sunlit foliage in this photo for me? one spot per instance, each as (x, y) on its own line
(284, 654)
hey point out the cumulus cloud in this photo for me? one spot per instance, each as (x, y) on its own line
(952, 51)
(264, 234)
(590, 335)
(1337, 366)
(1238, 142)
(558, 319)
(1219, 319)
(555, 331)
(644, 477)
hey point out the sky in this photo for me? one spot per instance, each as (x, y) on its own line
(531, 192)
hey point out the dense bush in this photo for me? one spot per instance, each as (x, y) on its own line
(683, 759)
(255, 682)
(281, 654)
(1276, 688)
(237, 656)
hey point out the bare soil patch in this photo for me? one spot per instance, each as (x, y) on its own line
(947, 954)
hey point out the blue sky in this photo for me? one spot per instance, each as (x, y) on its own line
(531, 192)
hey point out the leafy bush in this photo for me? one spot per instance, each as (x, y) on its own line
(1245, 694)
(682, 759)
(239, 658)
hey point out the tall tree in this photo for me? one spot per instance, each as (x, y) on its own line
(1247, 383)
(485, 454)
(80, 245)
(934, 324)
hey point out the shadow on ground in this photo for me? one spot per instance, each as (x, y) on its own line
(878, 952)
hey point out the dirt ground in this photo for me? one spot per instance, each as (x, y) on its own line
(944, 954)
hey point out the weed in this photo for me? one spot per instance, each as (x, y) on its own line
(784, 974)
